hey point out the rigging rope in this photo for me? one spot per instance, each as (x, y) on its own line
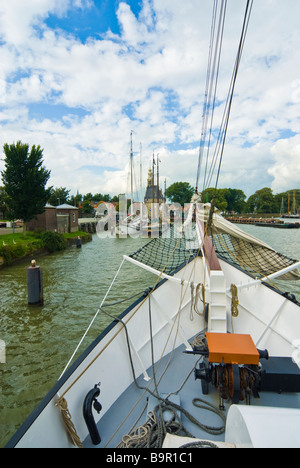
(211, 88)
(153, 432)
(93, 319)
(212, 77)
(233, 81)
(166, 255)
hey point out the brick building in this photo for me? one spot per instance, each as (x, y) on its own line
(62, 218)
(46, 221)
(67, 218)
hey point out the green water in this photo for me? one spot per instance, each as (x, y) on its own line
(40, 340)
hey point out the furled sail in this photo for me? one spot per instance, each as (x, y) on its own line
(243, 250)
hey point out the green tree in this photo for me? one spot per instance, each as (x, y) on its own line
(4, 203)
(220, 196)
(88, 197)
(25, 180)
(180, 192)
(262, 201)
(75, 199)
(87, 207)
(236, 200)
(101, 197)
(58, 196)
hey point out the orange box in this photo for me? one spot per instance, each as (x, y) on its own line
(232, 348)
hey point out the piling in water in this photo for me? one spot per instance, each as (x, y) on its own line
(35, 284)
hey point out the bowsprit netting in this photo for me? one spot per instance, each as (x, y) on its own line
(167, 254)
(256, 260)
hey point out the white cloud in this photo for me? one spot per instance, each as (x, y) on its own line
(286, 168)
(150, 78)
(18, 18)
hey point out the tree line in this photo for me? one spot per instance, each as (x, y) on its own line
(261, 202)
(227, 200)
(24, 193)
(230, 200)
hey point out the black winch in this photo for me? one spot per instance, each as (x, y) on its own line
(238, 370)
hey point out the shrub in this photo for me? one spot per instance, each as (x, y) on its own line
(14, 252)
(9, 253)
(53, 241)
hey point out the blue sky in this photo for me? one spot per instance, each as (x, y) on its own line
(77, 76)
(92, 21)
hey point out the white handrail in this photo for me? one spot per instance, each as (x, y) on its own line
(277, 274)
(156, 272)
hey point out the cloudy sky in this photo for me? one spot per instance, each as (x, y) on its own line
(77, 76)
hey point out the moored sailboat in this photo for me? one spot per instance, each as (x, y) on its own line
(293, 213)
(146, 219)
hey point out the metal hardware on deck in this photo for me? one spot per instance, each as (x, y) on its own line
(280, 374)
(91, 399)
(232, 364)
(225, 348)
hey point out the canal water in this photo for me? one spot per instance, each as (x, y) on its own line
(40, 340)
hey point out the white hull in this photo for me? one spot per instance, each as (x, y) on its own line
(141, 229)
(272, 320)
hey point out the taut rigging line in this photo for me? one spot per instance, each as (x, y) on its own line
(220, 143)
(215, 48)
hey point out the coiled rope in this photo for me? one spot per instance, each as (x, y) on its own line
(62, 404)
(234, 301)
(153, 432)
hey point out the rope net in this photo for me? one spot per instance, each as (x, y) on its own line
(167, 254)
(257, 260)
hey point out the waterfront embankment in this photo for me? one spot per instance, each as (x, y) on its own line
(15, 247)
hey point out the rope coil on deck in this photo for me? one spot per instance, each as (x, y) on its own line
(153, 432)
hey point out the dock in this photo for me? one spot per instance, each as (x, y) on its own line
(266, 222)
(88, 224)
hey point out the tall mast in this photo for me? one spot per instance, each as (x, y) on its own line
(131, 171)
(157, 179)
(141, 173)
(282, 207)
(294, 202)
(153, 162)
